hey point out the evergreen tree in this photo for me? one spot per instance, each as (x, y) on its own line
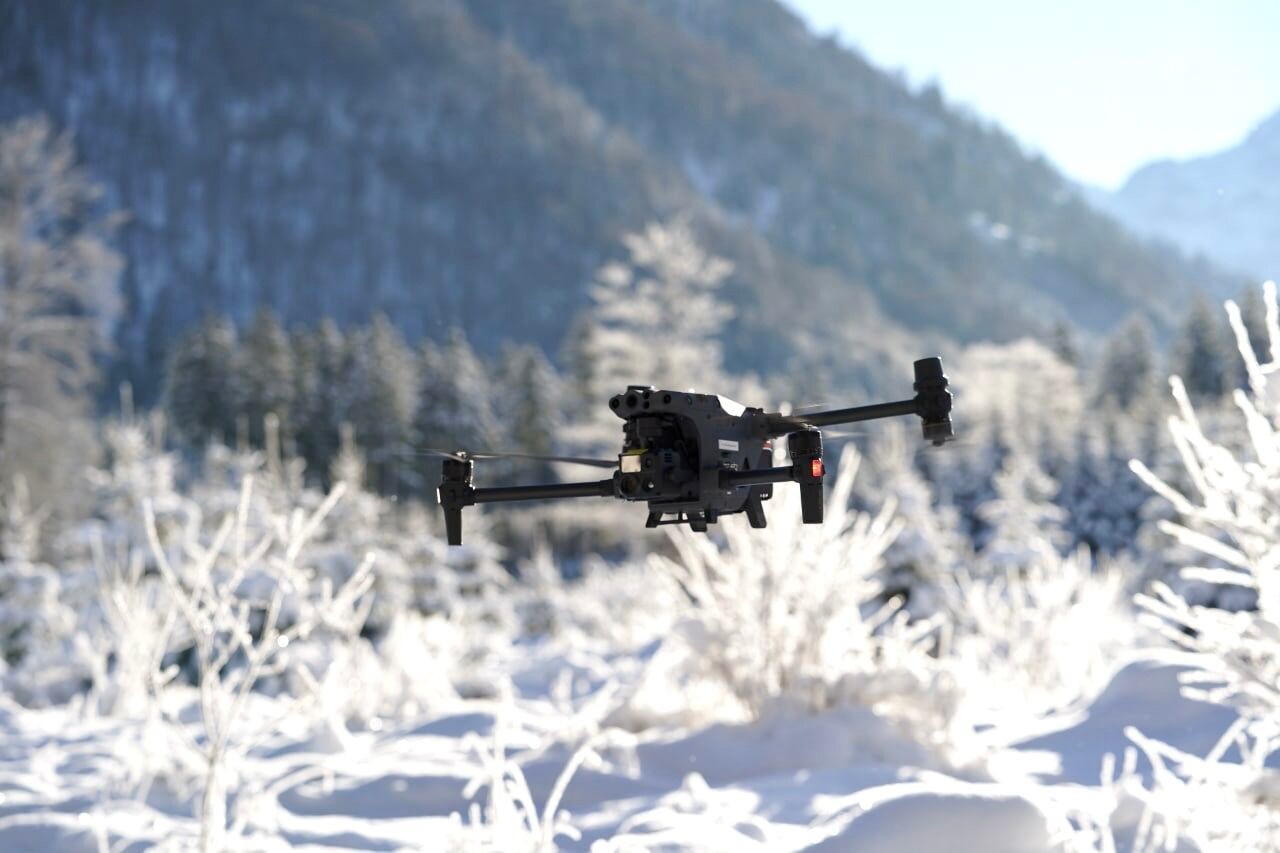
(383, 395)
(1062, 340)
(1202, 354)
(657, 318)
(58, 278)
(654, 319)
(1126, 372)
(266, 374)
(322, 390)
(1103, 499)
(201, 394)
(582, 392)
(306, 384)
(531, 393)
(932, 542)
(1023, 522)
(455, 400)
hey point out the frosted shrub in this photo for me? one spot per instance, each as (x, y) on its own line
(1230, 515)
(1035, 644)
(46, 665)
(609, 607)
(794, 614)
(132, 637)
(410, 671)
(1215, 804)
(243, 598)
(508, 820)
(136, 469)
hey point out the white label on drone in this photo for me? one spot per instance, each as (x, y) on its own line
(726, 444)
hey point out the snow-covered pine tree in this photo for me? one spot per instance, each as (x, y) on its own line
(201, 388)
(655, 319)
(322, 389)
(1125, 375)
(658, 316)
(383, 397)
(1103, 500)
(531, 393)
(1062, 340)
(58, 279)
(1024, 525)
(581, 390)
(931, 542)
(455, 400)
(1202, 354)
(265, 366)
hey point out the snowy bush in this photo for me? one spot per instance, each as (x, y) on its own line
(1213, 803)
(508, 819)
(243, 597)
(1230, 515)
(1035, 644)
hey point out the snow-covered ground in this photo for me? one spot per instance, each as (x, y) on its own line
(839, 780)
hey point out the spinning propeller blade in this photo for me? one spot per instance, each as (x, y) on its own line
(465, 454)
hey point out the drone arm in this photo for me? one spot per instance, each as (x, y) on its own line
(852, 415)
(456, 492)
(598, 488)
(733, 479)
(932, 403)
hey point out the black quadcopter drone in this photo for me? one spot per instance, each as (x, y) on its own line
(696, 457)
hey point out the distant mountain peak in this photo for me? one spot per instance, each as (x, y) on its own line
(1267, 133)
(1225, 206)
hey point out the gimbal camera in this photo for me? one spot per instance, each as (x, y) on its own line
(696, 457)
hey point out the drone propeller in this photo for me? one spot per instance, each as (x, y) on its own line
(845, 433)
(463, 455)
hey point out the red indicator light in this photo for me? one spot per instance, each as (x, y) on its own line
(816, 467)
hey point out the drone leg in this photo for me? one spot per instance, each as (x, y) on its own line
(453, 524)
(697, 522)
(455, 492)
(755, 510)
(654, 519)
(805, 448)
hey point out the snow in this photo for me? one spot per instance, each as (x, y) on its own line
(839, 780)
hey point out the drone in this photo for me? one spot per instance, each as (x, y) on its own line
(694, 458)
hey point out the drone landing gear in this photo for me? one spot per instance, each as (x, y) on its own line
(755, 508)
(697, 521)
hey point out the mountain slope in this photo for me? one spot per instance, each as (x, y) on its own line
(1226, 205)
(457, 162)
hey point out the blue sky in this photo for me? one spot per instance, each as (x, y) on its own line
(1099, 87)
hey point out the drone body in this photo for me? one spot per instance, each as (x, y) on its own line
(694, 458)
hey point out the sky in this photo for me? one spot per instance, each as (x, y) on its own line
(1100, 87)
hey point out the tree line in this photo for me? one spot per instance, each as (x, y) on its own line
(397, 400)
(655, 317)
